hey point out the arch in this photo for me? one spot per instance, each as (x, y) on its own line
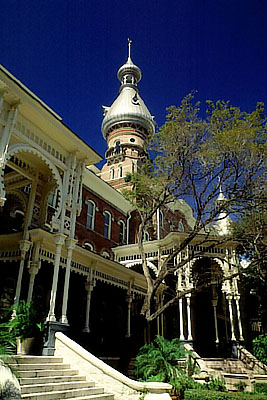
(88, 246)
(161, 219)
(146, 236)
(149, 264)
(106, 254)
(206, 271)
(25, 148)
(112, 173)
(17, 193)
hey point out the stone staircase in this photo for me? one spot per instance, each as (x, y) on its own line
(48, 378)
(233, 371)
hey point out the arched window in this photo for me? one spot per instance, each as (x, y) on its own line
(105, 254)
(122, 232)
(120, 171)
(112, 173)
(161, 219)
(117, 148)
(107, 224)
(52, 199)
(146, 237)
(180, 226)
(89, 246)
(90, 221)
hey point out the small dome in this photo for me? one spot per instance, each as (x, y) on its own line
(128, 106)
(129, 68)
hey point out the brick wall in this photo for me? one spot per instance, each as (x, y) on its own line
(96, 236)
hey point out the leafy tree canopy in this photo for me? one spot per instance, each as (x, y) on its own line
(217, 164)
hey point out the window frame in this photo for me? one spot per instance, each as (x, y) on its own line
(107, 227)
(92, 216)
(122, 233)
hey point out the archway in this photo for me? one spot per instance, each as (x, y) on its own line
(209, 311)
(25, 168)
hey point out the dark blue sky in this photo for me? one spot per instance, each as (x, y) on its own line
(68, 52)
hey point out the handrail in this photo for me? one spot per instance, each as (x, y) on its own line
(197, 359)
(250, 359)
(150, 387)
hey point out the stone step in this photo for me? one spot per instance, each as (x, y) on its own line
(95, 397)
(37, 367)
(47, 378)
(48, 373)
(65, 394)
(51, 379)
(37, 359)
(55, 386)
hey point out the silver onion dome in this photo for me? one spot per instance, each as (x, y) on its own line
(128, 106)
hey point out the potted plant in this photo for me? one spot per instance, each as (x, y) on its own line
(24, 325)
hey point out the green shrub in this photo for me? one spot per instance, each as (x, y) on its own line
(260, 387)
(240, 386)
(198, 394)
(260, 348)
(26, 322)
(216, 384)
(158, 362)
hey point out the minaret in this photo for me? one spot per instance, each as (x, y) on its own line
(223, 223)
(126, 127)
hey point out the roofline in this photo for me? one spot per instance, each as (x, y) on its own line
(45, 106)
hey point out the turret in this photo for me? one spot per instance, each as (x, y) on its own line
(126, 126)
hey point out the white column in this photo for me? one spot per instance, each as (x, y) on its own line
(229, 298)
(181, 319)
(33, 270)
(129, 299)
(24, 246)
(237, 298)
(157, 305)
(70, 245)
(158, 225)
(30, 205)
(189, 327)
(2, 93)
(89, 286)
(214, 305)
(5, 137)
(162, 315)
(59, 239)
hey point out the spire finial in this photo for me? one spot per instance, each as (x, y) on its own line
(129, 48)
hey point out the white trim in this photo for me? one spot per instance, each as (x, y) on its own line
(107, 213)
(92, 216)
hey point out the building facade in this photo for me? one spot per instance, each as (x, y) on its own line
(68, 236)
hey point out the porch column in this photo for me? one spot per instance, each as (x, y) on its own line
(162, 315)
(70, 246)
(24, 246)
(188, 303)
(181, 319)
(33, 270)
(129, 299)
(59, 240)
(214, 305)
(89, 286)
(229, 298)
(30, 205)
(237, 298)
